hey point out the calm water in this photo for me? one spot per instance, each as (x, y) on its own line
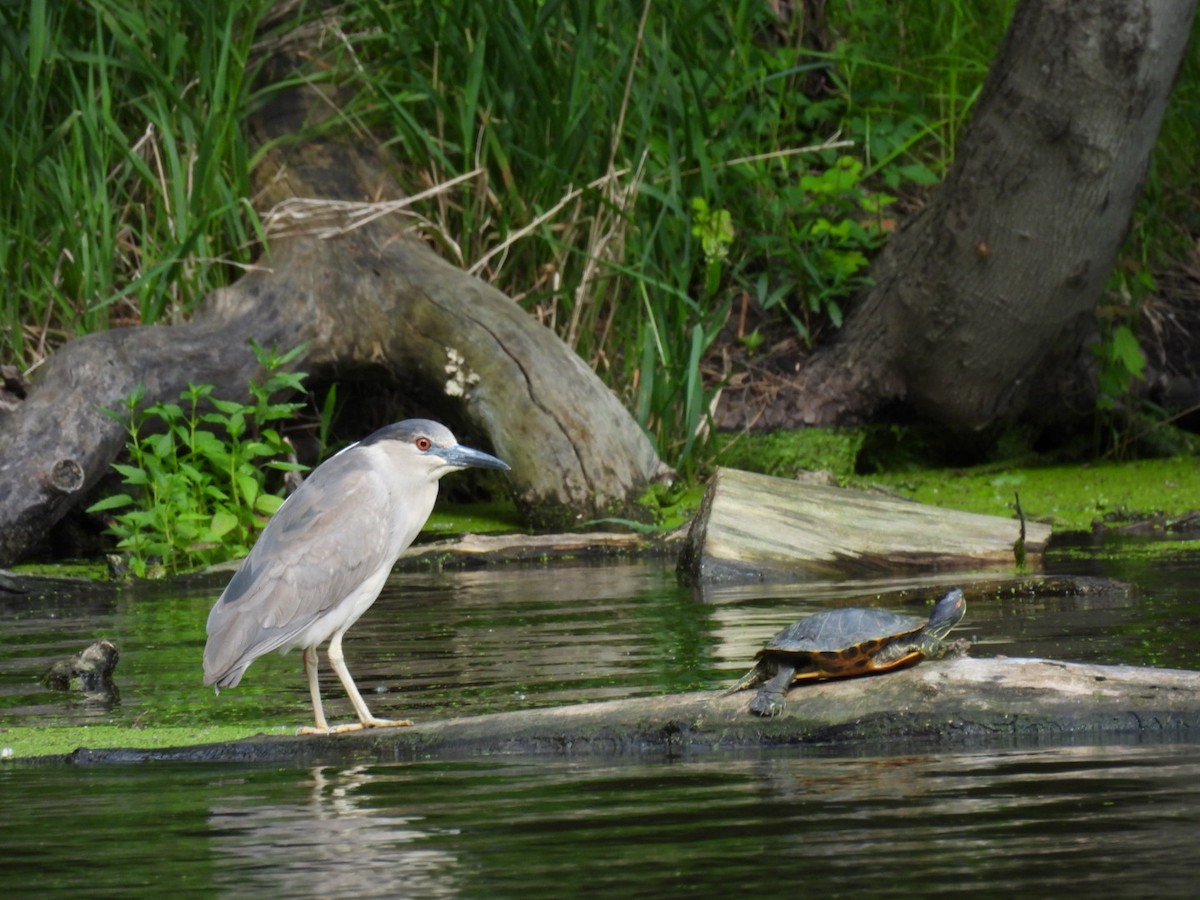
(1120, 819)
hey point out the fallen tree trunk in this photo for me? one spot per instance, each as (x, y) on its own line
(374, 299)
(949, 703)
(753, 527)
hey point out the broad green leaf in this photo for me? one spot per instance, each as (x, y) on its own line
(268, 504)
(131, 474)
(222, 523)
(112, 502)
(1127, 351)
(248, 487)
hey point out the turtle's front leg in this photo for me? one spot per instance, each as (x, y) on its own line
(769, 700)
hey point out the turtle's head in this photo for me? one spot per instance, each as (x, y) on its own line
(946, 614)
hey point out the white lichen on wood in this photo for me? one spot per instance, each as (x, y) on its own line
(461, 377)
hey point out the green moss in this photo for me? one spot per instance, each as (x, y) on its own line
(1071, 498)
(94, 570)
(1130, 550)
(784, 453)
(24, 742)
(499, 517)
(671, 505)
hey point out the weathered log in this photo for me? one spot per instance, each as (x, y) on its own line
(948, 703)
(372, 298)
(508, 548)
(754, 527)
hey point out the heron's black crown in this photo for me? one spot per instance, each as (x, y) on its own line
(409, 430)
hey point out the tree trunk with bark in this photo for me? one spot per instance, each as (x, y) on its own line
(981, 304)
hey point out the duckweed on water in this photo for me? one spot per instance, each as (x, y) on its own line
(25, 742)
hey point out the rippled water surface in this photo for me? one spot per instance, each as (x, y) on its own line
(1113, 821)
(1118, 820)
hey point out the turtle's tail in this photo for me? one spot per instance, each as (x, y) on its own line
(751, 678)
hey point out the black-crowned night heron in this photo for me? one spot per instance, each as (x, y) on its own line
(325, 555)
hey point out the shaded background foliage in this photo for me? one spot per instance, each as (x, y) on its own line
(652, 181)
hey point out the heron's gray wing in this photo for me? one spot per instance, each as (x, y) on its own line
(324, 541)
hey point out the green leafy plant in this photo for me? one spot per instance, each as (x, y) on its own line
(816, 242)
(198, 476)
(1121, 361)
(752, 340)
(1119, 358)
(714, 227)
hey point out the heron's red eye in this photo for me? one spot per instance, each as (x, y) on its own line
(423, 444)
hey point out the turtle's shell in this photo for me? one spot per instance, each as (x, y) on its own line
(840, 639)
(837, 629)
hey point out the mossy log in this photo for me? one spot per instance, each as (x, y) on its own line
(372, 299)
(754, 527)
(960, 702)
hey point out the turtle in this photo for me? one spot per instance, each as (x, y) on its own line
(843, 643)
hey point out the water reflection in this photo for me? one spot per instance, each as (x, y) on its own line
(1117, 821)
(329, 842)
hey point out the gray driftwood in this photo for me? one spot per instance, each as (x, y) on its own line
(374, 298)
(953, 702)
(755, 527)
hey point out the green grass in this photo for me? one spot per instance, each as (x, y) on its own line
(448, 520)
(916, 67)
(124, 170)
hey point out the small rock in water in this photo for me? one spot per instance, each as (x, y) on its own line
(89, 670)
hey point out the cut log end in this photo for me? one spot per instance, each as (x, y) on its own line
(753, 527)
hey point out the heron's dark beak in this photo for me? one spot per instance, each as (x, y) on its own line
(461, 457)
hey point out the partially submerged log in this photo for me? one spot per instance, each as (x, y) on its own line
(754, 527)
(949, 703)
(511, 548)
(89, 670)
(373, 298)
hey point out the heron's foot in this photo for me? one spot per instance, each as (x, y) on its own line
(357, 726)
(375, 723)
